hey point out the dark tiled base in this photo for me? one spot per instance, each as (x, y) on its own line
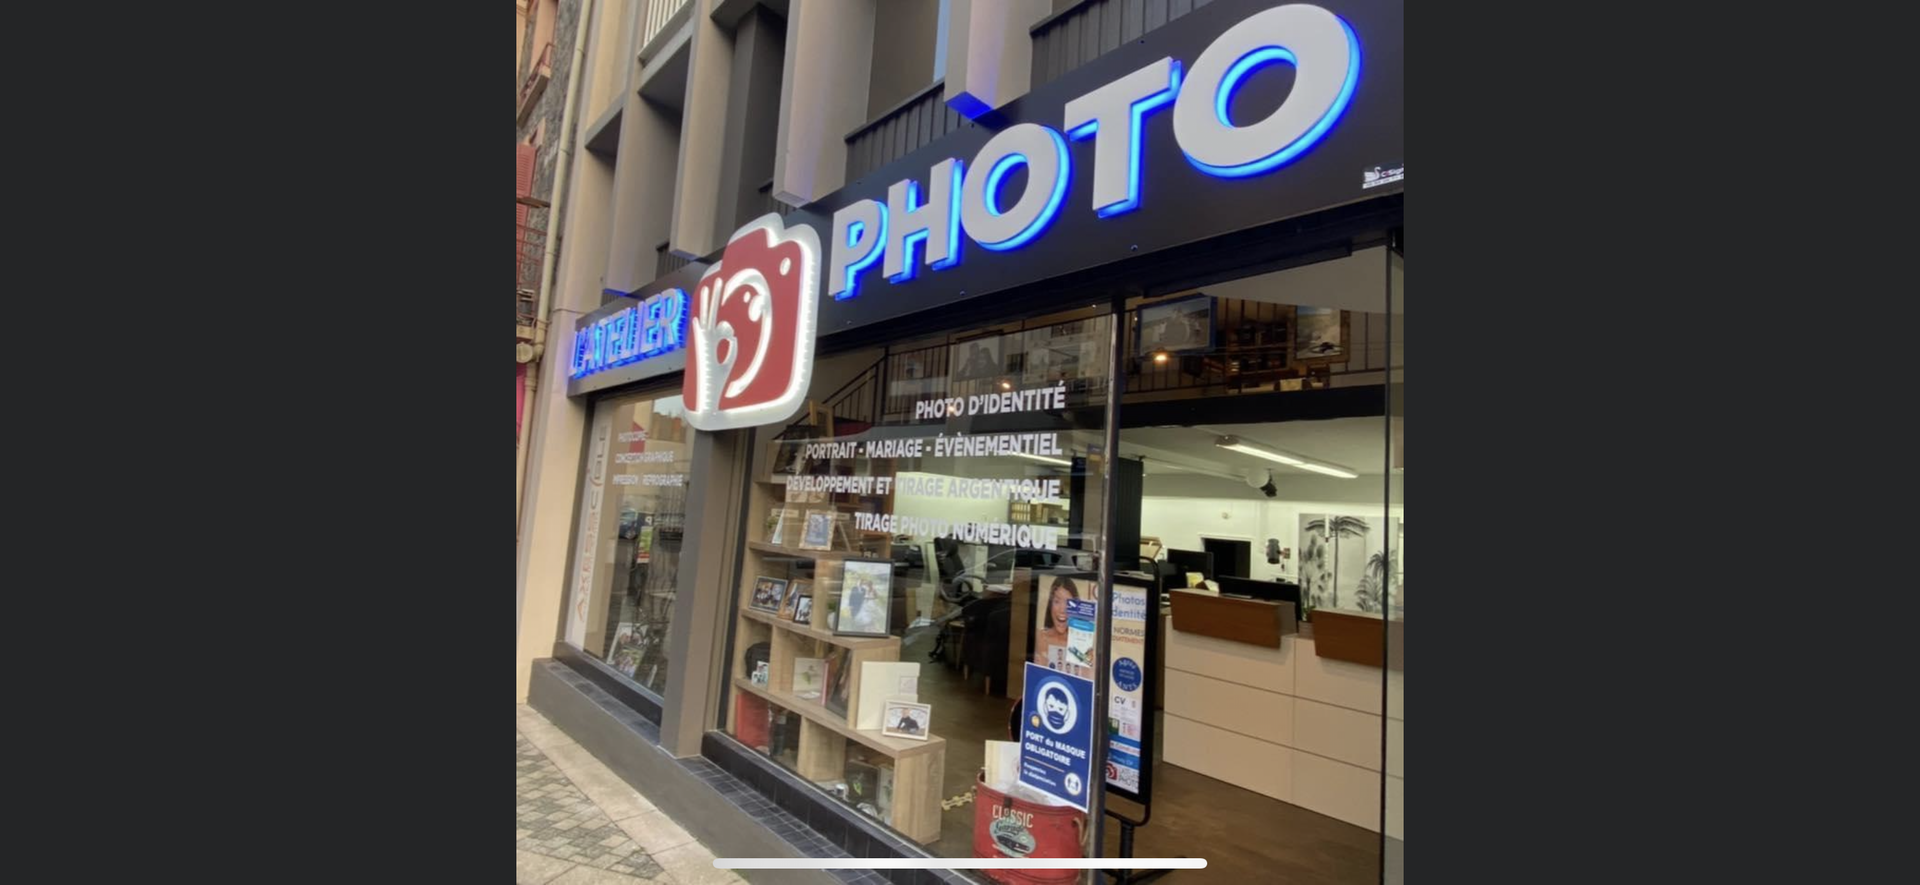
(610, 681)
(814, 823)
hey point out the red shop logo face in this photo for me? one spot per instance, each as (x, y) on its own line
(751, 328)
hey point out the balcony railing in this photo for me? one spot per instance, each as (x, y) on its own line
(529, 256)
(659, 14)
(1092, 28)
(535, 85)
(666, 262)
(906, 127)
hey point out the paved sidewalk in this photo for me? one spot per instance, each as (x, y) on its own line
(578, 823)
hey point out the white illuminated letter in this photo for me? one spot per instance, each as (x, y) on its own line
(934, 221)
(859, 239)
(1113, 117)
(1326, 60)
(1044, 153)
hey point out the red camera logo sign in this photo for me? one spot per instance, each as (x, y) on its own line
(752, 328)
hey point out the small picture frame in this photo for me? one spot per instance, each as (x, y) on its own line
(767, 594)
(818, 534)
(866, 598)
(760, 674)
(803, 610)
(903, 719)
(809, 677)
(786, 530)
(799, 589)
(1183, 325)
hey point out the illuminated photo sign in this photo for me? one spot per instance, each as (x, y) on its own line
(646, 328)
(909, 228)
(1230, 119)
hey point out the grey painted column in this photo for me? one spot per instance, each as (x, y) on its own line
(697, 198)
(753, 116)
(990, 52)
(709, 570)
(643, 185)
(823, 95)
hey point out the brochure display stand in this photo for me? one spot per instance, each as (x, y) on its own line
(1145, 690)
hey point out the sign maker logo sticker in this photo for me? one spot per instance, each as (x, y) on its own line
(752, 327)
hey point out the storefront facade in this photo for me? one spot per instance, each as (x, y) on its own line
(855, 489)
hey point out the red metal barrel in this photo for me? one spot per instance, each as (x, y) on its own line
(1007, 826)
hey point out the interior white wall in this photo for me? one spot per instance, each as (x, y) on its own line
(1180, 522)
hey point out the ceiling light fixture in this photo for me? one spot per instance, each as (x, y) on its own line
(1043, 459)
(1330, 471)
(1236, 444)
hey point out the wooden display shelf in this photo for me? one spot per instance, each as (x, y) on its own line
(799, 553)
(812, 632)
(817, 713)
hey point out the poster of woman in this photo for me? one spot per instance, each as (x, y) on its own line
(1064, 601)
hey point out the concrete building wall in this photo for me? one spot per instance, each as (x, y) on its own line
(904, 37)
(771, 90)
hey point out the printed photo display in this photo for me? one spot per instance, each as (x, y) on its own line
(1063, 627)
(809, 677)
(902, 719)
(819, 531)
(1319, 334)
(790, 609)
(865, 598)
(767, 594)
(1183, 325)
(625, 656)
(803, 610)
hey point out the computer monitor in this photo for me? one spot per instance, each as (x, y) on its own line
(1191, 561)
(1270, 591)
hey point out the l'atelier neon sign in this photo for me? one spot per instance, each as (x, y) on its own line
(1320, 45)
(648, 328)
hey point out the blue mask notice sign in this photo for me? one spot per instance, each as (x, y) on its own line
(1056, 735)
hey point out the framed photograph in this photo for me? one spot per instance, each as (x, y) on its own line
(767, 595)
(1321, 335)
(818, 534)
(903, 719)
(839, 680)
(760, 674)
(866, 598)
(795, 592)
(1181, 326)
(803, 610)
(978, 359)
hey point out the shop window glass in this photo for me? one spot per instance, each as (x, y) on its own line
(632, 517)
(1394, 843)
(1259, 411)
(906, 533)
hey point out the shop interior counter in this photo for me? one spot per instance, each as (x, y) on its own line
(1283, 721)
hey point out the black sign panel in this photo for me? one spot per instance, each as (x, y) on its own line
(1179, 204)
(1360, 157)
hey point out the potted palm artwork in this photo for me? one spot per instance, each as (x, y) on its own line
(1344, 563)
